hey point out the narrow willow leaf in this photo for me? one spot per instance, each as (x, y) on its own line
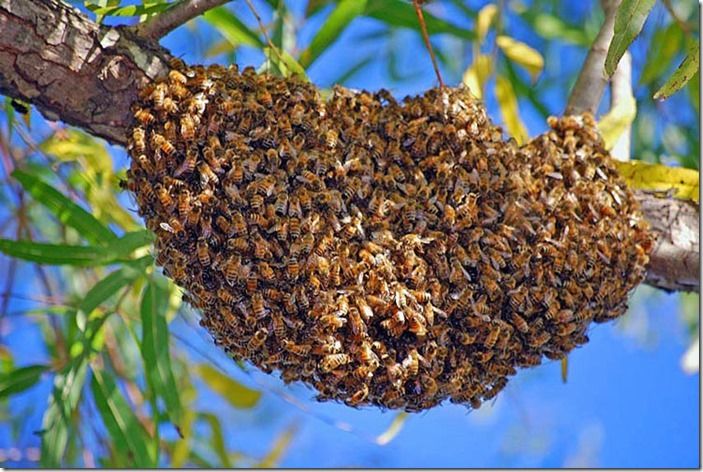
(235, 393)
(286, 63)
(56, 424)
(130, 242)
(75, 145)
(477, 75)
(217, 439)
(54, 254)
(129, 436)
(155, 347)
(273, 457)
(485, 19)
(20, 379)
(683, 183)
(111, 284)
(683, 74)
(629, 20)
(64, 209)
(507, 102)
(402, 14)
(564, 369)
(522, 54)
(334, 25)
(393, 429)
(551, 27)
(617, 120)
(128, 10)
(232, 28)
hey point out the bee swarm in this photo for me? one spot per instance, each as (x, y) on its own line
(385, 253)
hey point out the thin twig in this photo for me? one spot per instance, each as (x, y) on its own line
(265, 32)
(160, 25)
(620, 92)
(426, 39)
(590, 84)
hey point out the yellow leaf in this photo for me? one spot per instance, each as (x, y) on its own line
(73, 145)
(521, 54)
(235, 393)
(484, 21)
(616, 121)
(477, 75)
(507, 101)
(683, 183)
(564, 368)
(393, 430)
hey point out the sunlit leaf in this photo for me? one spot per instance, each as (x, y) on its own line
(130, 242)
(282, 442)
(551, 27)
(334, 25)
(232, 28)
(694, 92)
(111, 284)
(155, 347)
(235, 393)
(393, 429)
(63, 402)
(524, 89)
(683, 183)
(521, 54)
(617, 120)
(128, 10)
(217, 439)
(477, 75)
(129, 436)
(683, 74)
(400, 13)
(65, 210)
(629, 20)
(74, 145)
(484, 21)
(507, 102)
(20, 379)
(53, 254)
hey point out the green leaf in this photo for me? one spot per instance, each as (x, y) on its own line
(63, 402)
(683, 74)
(128, 10)
(155, 347)
(399, 13)
(53, 254)
(334, 25)
(217, 441)
(232, 28)
(550, 26)
(111, 284)
(286, 63)
(129, 243)
(64, 209)
(629, 20)
(235, 393)
(126, 431)
(20, 379)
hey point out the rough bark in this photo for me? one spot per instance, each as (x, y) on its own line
(87, 75)
(72, 69)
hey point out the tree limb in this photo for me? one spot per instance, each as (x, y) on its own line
(87, 75)
(72, 69)
(160, 25)
(590, 84)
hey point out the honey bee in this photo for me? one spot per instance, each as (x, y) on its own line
(139, 139)
(226, 296)
(258, 339)
(492, 337)
(358, 397)
(144, 116)
(176, 77)
(411, 364)
(333, 361)
(203, 252)
(257, 305)
(163, 196)
(231, 270)
(292, 268)
(520, 323)
(279, 327)
(187, 127)
(252, 282)
(207, 176)
(301, 350)
(539, 340)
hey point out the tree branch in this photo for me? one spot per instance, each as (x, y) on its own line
(590, 84)
(621, 92)
(160, 25)
(72, 69)
(87, 75)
